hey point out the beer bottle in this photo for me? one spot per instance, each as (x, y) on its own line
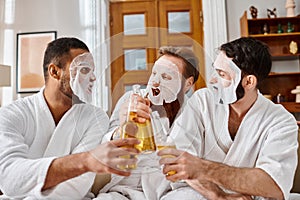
(133, 128)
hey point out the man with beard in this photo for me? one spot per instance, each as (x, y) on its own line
(234, 143)
(48, 142)
(173, 75)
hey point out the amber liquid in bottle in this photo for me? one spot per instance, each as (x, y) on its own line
(161, 137)
(144, 133)
(128, 130)
(134, 129)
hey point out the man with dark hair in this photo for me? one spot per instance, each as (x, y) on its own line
(234, 143)
(173, 75)
(48, 141)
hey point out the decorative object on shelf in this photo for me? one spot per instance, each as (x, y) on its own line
(279, 28)
(290, 8)
(297, 92)
(271, 13)
(253, 12)
(277, 42)
(290, 27)
(280, 98)
(266, 29)
(293, 47)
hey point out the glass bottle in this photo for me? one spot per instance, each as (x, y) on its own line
(133, 128)
(162, 138)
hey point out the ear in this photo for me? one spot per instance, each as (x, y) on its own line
(250, 81)
(188, 84)
(54, 71)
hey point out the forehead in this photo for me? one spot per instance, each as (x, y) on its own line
(76, 52)
(83, 60)
(174, 60)
(222, 62)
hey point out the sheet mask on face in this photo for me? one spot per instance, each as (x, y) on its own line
(164, 83)
(224, 80)
(82, 76)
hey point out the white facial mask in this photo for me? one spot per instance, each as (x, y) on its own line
(224, 88)
(164, 83)
(82, 76)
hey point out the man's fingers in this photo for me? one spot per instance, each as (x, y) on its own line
(133, 151)
(127, 151)
(169, 168)
(169, 151)
(125, 160)
(173, 175)
(143, 112)
(119, 163)
(125, 142)
(167, 160)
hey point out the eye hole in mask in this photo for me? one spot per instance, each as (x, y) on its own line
(82, 76)
(85, 70)
(224, 80)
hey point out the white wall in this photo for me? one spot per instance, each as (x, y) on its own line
(78, 18)
(236, 8)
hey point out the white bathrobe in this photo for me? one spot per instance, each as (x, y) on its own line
(145, 182)
(30, 140)
(266, 138)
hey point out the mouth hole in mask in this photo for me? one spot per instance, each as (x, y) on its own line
(155, 91)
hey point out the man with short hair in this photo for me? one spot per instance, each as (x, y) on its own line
(173, 75)
(48, 141)
(233, 142)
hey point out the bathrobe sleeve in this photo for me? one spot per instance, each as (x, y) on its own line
(19, 175)
(24, 176)
(278, 156)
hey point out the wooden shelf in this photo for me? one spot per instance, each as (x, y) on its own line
(291, 106)
(280, 83)
(284, 74)
(275, 35)
(275, 19)
(278, 42)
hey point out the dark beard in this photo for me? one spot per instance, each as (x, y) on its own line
(67, 91)
(240, 92)
(65, 87)
(169, 110)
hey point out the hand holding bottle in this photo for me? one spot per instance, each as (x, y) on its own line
(142, 109)
(134, 128)
(162, 139)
